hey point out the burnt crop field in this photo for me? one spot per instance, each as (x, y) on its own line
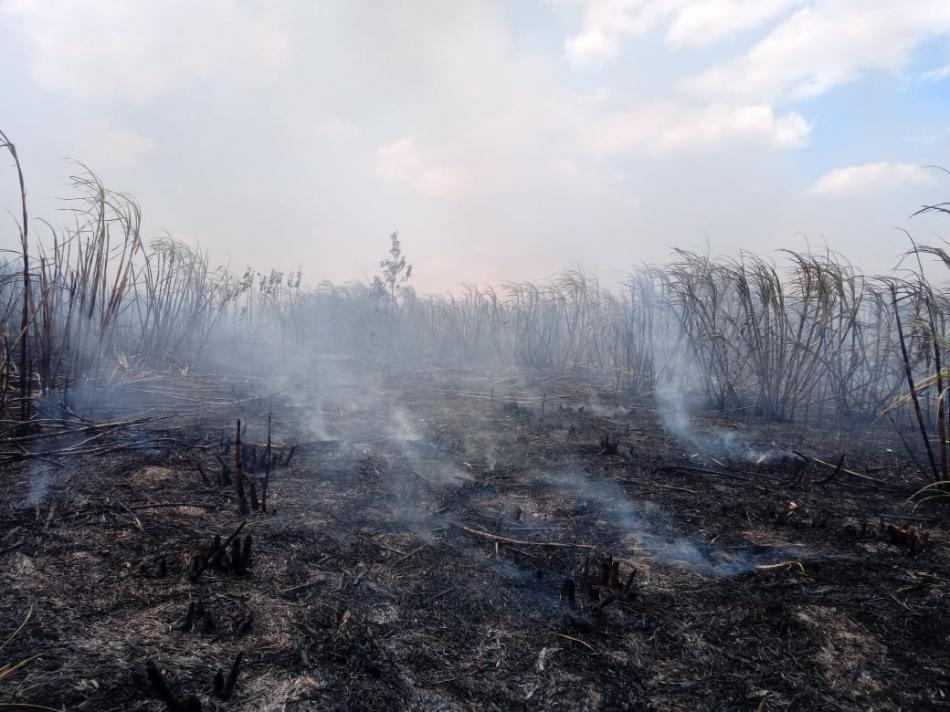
(721, 485)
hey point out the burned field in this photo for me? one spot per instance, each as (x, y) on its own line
(719, 485)
(459, 542)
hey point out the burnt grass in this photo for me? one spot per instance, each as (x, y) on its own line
(373, 582)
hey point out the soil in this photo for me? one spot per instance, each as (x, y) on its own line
(435, 542)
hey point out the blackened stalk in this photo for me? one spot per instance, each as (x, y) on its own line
(25, 313)
(239, 467)
(913, 390)
(941, 415)
(267, 458)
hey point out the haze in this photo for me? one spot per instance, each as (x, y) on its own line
(504, 140)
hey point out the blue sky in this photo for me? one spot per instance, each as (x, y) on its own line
(505, 140)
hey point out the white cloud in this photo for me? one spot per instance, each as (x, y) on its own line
(869, 178)
(691, 23)
(937, 75)
(824, 45)
(668, 127)
(707, 21)
(404, 162)
(607, 21)
(139, 51)
(591, 45)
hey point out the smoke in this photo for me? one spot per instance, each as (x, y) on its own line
(484, 446)
(426, 458)
(315, 425)
(650, 527)
(604, 410)
(674, 409)
(421, 468)
(39, 483)
(401, 427)
(416, 491)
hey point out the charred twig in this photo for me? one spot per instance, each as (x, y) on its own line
(213, 558)
(312, 582)
(245, 624)
(246, 552)
(290, 455)
(255, 504)
(444, 680)
(267, 466)
(837, 471)
(442, 594)
(224, 479)
(655, 486)
(235, 560)
(608, 446)
(907, 448)
(409, 554)
(135, 519)
(224, 688)
(189, 621)
(846, 471)
(239, 470)
(629, 587)
(569, 591)
(164, 693)
(240, 557)
(217, 687)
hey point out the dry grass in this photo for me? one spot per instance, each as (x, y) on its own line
(807, 340)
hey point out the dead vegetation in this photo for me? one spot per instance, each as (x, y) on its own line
(552, 576)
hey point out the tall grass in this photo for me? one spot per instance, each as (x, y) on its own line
(94, 296)
(804, 338)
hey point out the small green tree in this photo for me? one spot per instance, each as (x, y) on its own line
(387, 285)
(396, 272)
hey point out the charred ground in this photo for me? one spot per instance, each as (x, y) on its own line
(440, 545)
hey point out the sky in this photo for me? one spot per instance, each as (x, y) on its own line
(505, 141)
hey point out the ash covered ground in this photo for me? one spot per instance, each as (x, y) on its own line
(467, 541)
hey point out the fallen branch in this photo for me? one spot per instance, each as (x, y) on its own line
(702, 471)
(576, 640)
(312, 582)
(780, 565)
(521, 542)
(844, 470)
(209, 507)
